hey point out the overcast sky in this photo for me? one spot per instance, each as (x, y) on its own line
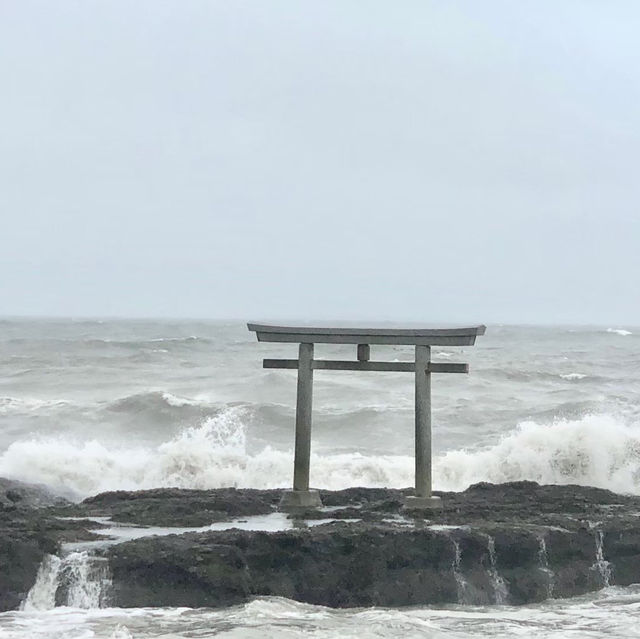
(424, 161)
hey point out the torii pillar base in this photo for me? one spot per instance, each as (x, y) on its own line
(299, 500)
(422, 503)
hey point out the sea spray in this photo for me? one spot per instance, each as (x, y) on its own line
(211, 455)
(595, 450)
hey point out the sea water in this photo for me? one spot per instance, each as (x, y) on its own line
(93, 405)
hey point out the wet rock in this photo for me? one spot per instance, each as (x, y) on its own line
(16, 494)
(178, 570)
(24, 540)
(516, 543)
(30, 529)
(26, 534)
(335, 564)
(176, 507)
(509, 543)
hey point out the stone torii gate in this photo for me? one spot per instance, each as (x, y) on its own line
(422, 339)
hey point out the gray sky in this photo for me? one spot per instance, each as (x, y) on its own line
(424, 161)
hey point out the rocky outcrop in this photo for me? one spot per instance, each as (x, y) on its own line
(510, 543)
(29, 530)
(178, 570)
(17, 494)
(26, 534)
(355, 564)
(179, 507)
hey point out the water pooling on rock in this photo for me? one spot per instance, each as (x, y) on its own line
(82, 579)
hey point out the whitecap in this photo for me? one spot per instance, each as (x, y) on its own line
(619, 331)
(179, 402)
(29, 404)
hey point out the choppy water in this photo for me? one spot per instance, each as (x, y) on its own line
(611, 613)
(87, 406)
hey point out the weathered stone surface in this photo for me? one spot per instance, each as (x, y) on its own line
(29, 529)
(17, 494)
(20, 556)
(543, 538)
(336, 564)
(178, 570)
(516, 543)
(175, 507)
(26, 534)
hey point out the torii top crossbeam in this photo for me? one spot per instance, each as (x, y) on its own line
(397, 336)
(421, 338)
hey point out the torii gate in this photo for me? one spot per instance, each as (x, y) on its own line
(422, 339)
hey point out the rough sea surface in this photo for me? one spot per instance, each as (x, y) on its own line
(92, 405)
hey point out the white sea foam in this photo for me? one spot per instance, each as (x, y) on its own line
(573, 376)
(29, 404)
(86, 578)
(597, 450)
(611, 612)
(42, 595)
(179, 402)
(619, 331)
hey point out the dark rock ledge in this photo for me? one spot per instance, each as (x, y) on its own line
(509, 543)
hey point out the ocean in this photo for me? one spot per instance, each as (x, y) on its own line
(94, 405)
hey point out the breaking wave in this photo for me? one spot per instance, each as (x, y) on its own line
(596, 450)
(619, 331)
(147, 401)
(153, 401)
